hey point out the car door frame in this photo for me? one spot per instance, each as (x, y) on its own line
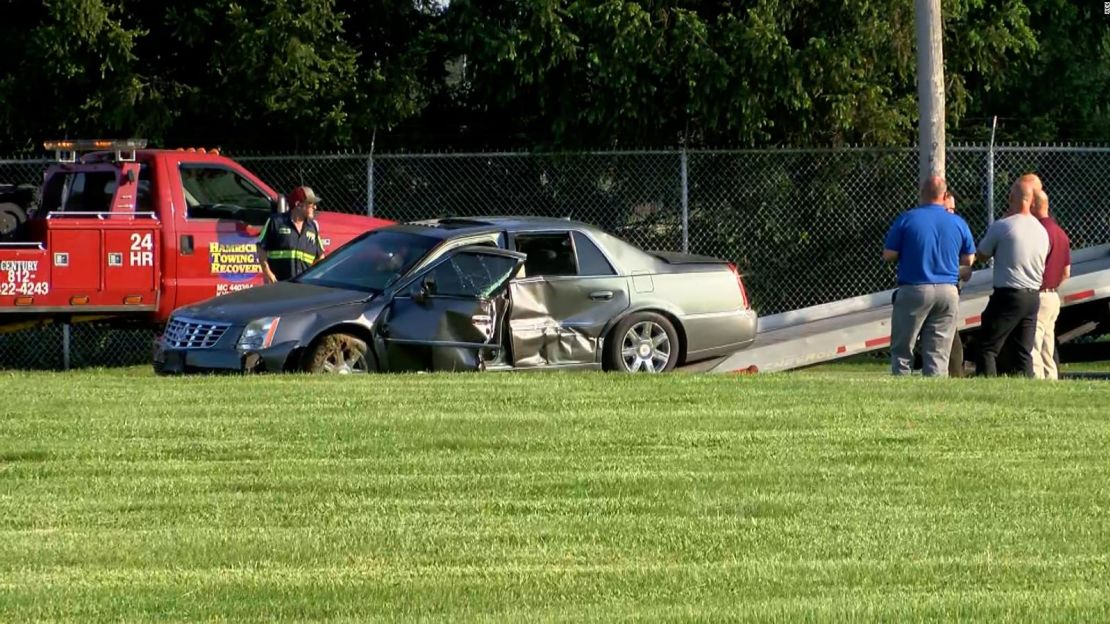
(561, 326)
(404, 289)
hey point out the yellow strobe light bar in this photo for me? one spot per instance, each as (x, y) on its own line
(88, 145)
(65, 150)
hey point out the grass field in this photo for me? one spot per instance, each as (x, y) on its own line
(820, 495)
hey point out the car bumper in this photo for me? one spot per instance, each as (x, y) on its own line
(169, 361)
(712, 335)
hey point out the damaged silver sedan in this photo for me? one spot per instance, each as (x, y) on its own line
(473, 294)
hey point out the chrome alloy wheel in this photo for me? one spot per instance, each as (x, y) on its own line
(646, 347)
(344, 360)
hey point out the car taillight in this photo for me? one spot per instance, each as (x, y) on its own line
(740, 283)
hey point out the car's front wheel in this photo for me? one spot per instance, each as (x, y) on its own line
(339, 354)
(643, 342)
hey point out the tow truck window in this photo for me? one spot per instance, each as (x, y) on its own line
(144, 197)
(220, 193)
(86, 191)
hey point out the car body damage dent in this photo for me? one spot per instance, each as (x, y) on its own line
(551, 345)
(538, 338)
(445, 337)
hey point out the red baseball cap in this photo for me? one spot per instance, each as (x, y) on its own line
(304, 194)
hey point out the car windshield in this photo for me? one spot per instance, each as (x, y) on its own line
(371, 262)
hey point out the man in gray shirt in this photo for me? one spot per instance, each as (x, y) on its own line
(1019, 245)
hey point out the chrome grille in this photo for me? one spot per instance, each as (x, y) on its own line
(183, 333)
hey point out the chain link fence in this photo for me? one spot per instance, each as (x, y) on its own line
(805, 226)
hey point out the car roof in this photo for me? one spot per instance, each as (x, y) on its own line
(465, 226)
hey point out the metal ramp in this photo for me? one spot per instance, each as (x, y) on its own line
(860, 324)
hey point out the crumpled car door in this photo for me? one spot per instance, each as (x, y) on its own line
(445, 318)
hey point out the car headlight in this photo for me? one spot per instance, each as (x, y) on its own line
(258, 334)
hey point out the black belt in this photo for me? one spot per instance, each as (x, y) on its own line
(1048, 290)
(1028, 290)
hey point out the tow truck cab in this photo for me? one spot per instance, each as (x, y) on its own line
(131, 232)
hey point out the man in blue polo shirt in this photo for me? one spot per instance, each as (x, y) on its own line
(930, 244)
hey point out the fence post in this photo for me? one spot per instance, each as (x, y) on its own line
(370, 185)
(990, 175)
(65, 345)
(685, 203)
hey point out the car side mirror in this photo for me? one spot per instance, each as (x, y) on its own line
(426, 289)
(280, 205)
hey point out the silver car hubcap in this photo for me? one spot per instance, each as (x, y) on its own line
(344, 361)
(646, 347)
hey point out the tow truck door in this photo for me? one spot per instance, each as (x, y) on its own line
(447, 317)
(219, 213)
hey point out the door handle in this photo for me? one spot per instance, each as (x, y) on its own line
(186, 244)
(601, 295)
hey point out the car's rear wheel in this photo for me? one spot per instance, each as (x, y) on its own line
(339, 354)
(644, 342)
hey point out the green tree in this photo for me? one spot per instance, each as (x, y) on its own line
(68, 68)
(753, 73)
(1059, 92)
(308, 74)
(267, 74)
(276, 72)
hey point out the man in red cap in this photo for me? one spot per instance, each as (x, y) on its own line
(290, 242)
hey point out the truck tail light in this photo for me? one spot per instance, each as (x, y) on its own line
(78, 300)
(133, 299)
(24, 301)
(740, 283)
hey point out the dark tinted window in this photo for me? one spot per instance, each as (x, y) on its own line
(371, 262)
(144, 199)
(85, 191)
(548, 254)
(92, 191)
(590, 259)
(219, 193)
(469, 275)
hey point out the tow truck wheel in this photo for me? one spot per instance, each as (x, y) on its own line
(339, 354)
(11, 217)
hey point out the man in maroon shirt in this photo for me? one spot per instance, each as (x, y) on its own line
(1057, 268)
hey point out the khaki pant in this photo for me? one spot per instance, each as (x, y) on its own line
(1044, 343)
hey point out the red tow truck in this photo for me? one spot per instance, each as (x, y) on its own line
(125, 233)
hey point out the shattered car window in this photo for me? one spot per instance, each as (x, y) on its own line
(471, 275)
(370, 263)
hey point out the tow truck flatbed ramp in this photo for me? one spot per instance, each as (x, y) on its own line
(847, 327)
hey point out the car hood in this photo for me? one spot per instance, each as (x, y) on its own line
(270, 300)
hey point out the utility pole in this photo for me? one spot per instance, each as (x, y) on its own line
(930, 88)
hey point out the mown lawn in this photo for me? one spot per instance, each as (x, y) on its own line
(880, 365)
(538, 497)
